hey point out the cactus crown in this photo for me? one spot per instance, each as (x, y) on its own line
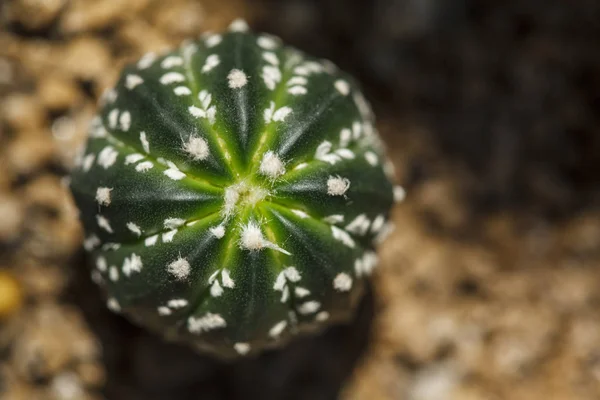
(232, 192)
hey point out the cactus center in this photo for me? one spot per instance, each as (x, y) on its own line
(242, 195)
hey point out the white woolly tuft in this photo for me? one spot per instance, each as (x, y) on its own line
(342, 282)
(134, 228)
(218, 231)
(179, 268)
(172, 223)
(271, 165)
(252, 239)
(399, 194)
(242, 348)
(206, 323)
(103, 196)
(342, 86)
(239, 25)
(309, 307)
(276, 330)
(196, 147)
(237, 79)
(104, 223)
(132, 80)
(337, 186)
(131, 264)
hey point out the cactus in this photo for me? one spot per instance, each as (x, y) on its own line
(232, 193)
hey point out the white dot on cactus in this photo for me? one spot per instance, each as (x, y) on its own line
(359, 225)
(297, 80)
(104, 223)
(103, 196)
(292, 274)
(182, 91)
(107, 157)
(271, 58)
(226, 279)
(399, 194)
(309, 307)
(177, 303)
(133, 263)
(279, 282)
(174, 173)
(172, 223)
(300, 166)
(218, 231)
(301, 292)
(197, 112)
(271, 165)
(91, 242)
(197, 148)
(334, 219)
(88, 161)
(113, 305)
(134, 228)
(111, 246)
(300, 213)
(213, 40)
(285, 294)
(133, 158)
(242, 348)
(180, 268)
(205, 323)
(337, 186)
(150, 240)
(146, 60)
(271, 76)
(132, 80)
(164, 311)
(378, 224)
(171, 61)
(113, 273)
(171, 77)
(113, 118)
(239, 25)
(211, 62)
(342, 282)
(342, 86)
(267, 42)
(216, 290)
(144, 166)
(144, 141)
(342, 236)
(385, 231)
(237, 79)
(167, 237)
(101, 264)
(276, 330)
(252, 237)
(282, 113)
(297, 90)
(371, 158)
(322, 316)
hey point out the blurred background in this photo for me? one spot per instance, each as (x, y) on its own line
(489, 288)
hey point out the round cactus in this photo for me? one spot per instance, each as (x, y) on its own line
(232, 193)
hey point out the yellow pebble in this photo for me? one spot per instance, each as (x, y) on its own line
(11, 295)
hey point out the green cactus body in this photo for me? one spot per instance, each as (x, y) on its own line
(232, 193)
